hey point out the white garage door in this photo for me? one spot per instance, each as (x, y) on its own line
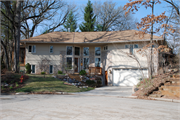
(127, 77)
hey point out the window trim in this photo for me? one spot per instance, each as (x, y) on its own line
(129, 47)
(31, 48)
(50, 69)
(34, 69)
(50, 49)
(84, 64)
(71, 60)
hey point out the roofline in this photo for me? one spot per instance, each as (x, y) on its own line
(159, 39)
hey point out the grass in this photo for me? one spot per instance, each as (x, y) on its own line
(36, 83)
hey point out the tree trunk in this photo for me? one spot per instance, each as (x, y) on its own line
(151, 67)
(6, 55)
(17, 34)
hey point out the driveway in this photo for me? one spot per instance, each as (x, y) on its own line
(117, 91)
(77, 107)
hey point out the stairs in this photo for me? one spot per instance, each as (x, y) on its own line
(170, 89)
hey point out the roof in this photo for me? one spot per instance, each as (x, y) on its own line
(89, 37)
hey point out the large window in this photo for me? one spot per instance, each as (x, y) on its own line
(86, 63)
(97, 51)
(69, 62)
(32, 49)
(69, 50)
(33, 68)
(51, 69)
(97, 62)
(51, 49)
(131, 47)
(77, 51)
(86, 51)
(97, 57)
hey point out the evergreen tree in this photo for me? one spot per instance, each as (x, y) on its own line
(89, 18)
(70, 23)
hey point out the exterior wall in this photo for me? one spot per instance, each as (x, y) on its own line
(117, 58)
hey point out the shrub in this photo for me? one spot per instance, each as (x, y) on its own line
(28, 68)
(43, 73)
(82, 72)
(60, 72)
(91, 83)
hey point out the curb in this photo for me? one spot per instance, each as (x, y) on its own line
(158, 99)
(22, 93)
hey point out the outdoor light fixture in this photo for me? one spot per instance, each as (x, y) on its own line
(110, 71)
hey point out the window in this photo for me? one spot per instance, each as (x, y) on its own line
(51, 69)
(51, 49)
(69, 50)
(105, 47)
(69, 62)
(86, 51)
(97, 51)
(131, 49)
(77, 51)
(126, 46)
(33, 68)
(97, 62)
(135, 45)
(32, 48)
(86, 63)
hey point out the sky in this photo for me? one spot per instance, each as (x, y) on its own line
(142, 12)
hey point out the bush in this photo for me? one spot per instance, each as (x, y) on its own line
(60, 72)
(28, 68)
(43, 73)
(91, 83)
(82, 72)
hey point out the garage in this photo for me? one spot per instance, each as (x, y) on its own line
(128, 77)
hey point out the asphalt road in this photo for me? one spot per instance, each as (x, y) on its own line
(79, 107)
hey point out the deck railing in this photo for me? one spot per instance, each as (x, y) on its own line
(95, 71)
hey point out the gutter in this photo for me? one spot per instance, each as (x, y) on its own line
(93, 42)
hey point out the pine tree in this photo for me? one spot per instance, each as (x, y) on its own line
(89, 18)
(70, 23)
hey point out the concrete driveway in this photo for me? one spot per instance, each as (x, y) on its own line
(117, 91)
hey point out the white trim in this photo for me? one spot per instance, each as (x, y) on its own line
(125, 41)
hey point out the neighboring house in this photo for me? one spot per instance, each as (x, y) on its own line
(92, 49)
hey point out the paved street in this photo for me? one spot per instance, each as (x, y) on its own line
(79, 107)
(109, 91)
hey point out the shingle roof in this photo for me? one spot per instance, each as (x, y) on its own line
(89, 37)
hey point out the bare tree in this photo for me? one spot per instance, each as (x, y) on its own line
(112, 18)
(44, 65)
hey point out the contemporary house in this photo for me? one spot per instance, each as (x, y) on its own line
(81, 50)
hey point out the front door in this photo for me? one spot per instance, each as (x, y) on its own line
(76, 64)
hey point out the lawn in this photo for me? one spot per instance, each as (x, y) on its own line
(48, 84)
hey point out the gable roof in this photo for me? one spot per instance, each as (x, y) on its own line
(89, 37)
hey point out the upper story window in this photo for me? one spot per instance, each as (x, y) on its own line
(51, 49)
(131, 47)
(86, 51)
(136, 46)
(105, 47)
(77, 51)
(69, 50)
(32, 49)
(97, 51)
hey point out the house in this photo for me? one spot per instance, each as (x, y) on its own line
(82, 50)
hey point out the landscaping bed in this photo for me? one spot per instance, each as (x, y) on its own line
(146, 87)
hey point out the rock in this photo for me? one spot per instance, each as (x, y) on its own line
(136, 89)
